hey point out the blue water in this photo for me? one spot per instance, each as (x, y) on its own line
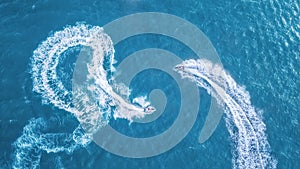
(258, 44)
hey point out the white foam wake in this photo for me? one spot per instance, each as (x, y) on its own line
(94, 100)
(245, 126)
(30, 145)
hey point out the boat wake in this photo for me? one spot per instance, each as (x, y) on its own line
(246, 128)
(90, 101)
(30, 145)
(94, 98)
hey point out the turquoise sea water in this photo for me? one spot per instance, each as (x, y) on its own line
(258, 44)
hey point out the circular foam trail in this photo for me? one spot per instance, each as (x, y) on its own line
(92, 98)
(46, 58)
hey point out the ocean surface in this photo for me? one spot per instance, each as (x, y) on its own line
(258, 45)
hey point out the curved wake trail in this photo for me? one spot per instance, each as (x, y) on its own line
(46, 58)
(93, 99)
(29, 146)
(245, 126)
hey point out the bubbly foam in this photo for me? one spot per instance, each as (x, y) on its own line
(30, 145)
(245, 126)
(91, 102)
(94, 102)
